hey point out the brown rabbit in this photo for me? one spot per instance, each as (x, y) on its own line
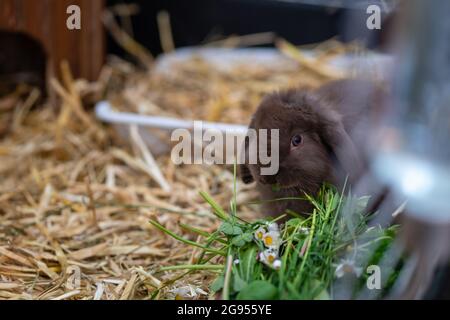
(316, 145)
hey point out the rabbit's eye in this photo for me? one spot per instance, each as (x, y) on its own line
(296, 140)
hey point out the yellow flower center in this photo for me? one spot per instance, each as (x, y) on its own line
(268, 241)
(271, 259)
(259, 235)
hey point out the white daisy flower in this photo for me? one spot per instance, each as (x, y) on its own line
(304, 230)
(268, 257)
(259, 233)
(272, 239)
(182, 293)
(273, 227)
(277, 264)
(187, 292)
(347, 267)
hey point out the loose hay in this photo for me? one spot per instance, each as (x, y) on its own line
(75, 200)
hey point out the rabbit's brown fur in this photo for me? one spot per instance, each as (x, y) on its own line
(325, 119)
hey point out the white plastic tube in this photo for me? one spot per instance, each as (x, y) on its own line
(104, 112)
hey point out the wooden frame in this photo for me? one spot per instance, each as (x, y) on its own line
(45, 20)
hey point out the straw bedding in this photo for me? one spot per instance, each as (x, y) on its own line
(76, 198)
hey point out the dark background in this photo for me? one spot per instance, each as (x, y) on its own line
(194, 21)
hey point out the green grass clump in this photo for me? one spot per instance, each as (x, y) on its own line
(309, 257)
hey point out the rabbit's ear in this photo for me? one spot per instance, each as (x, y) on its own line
(338, 140)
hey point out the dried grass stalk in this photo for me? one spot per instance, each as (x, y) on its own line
(75, 201)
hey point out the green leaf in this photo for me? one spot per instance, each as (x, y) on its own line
(177, 237)
(258, 290)
(248, 237)
(323, 293)
(238, 242)
(238, 283)
(242, 239)
(217, 284)
(230, 230)
(294, 222)
(248, 266)
(334, 203)
(217, 209)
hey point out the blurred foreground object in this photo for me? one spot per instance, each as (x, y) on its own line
(411, 150)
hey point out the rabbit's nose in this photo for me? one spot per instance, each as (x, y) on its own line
(267, 179)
